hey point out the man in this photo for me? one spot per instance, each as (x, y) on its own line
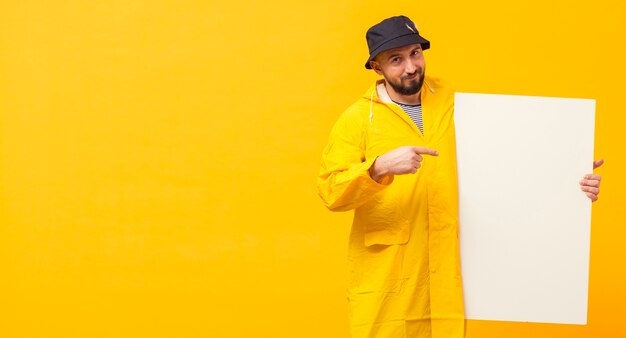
(391, 157)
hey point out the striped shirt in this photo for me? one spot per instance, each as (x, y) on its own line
(414, 112)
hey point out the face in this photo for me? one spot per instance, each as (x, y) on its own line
(402, 68)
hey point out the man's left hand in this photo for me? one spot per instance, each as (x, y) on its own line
(590, 183)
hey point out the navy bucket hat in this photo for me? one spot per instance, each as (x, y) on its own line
(394, 32)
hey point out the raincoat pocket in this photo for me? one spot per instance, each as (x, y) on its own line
(383, 221)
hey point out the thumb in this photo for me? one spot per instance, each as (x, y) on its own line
(598, 163)
(425, 151)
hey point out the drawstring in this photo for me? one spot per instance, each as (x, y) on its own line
(371, 103)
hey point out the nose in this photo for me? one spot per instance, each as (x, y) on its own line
(410, 68)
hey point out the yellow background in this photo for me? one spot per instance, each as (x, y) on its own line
(158, 158)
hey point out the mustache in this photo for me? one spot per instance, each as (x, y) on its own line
(416, 72)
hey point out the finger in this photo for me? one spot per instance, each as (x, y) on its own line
(598, 163)
(424, 150)
(592, 190)
(418, 158)
(592, 177)
(592, 197)
(590, 183)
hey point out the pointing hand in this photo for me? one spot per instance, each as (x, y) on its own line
(400, 161)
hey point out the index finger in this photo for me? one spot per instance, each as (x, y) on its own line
(425, 151)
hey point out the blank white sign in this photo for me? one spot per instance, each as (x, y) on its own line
(524, 222)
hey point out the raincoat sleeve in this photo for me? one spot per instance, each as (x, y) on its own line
(344, 182)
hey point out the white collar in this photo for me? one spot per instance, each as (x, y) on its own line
(382, 92)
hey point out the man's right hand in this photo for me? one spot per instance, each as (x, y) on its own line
(400, 161)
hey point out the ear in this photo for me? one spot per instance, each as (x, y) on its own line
(376, 67)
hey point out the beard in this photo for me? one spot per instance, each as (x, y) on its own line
(412, 87)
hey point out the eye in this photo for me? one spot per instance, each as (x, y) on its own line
(417, 51)
(395, 60)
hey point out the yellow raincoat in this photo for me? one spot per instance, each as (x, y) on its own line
(404, 271)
